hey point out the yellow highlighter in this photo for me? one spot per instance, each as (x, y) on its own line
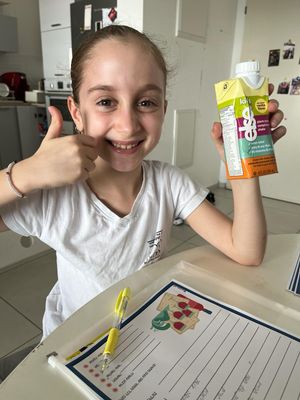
(112, 340)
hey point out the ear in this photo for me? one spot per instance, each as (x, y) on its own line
(75, 113)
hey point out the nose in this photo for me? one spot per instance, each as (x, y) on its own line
(127, 120)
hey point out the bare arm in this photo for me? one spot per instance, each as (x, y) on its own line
(59, 161)
(7, 195)
(244, 238)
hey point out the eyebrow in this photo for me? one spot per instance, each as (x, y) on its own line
(109, 88)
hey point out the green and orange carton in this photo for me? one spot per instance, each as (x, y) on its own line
(243, 109)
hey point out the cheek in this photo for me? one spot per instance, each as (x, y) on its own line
(156, 126)
(93, 125)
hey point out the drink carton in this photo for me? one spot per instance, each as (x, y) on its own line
(243, 109)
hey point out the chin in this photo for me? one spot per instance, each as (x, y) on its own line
(126, 167)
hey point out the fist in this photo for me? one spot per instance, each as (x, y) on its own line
(63, 160)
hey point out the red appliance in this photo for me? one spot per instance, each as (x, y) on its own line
(17, 83)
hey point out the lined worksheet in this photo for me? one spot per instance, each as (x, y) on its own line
(183, 345)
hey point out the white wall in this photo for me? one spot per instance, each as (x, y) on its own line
(268, 24)
(130, 12)
(217, 65)
(28, 59)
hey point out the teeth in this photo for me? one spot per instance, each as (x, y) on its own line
(124, 146)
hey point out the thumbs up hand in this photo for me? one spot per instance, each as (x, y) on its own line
(56, 124)
(62, 160)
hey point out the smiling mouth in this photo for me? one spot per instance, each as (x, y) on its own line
(125, 146)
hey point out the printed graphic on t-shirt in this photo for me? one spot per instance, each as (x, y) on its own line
(155, 248)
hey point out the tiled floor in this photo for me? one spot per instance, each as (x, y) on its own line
(23, 289)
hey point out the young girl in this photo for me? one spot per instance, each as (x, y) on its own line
(93, 198)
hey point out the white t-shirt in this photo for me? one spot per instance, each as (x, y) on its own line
(95, 247)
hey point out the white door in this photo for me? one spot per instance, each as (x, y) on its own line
(54, 14)
(56, 59)
(268, 25)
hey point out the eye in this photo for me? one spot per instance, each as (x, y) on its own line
(147, 105)
(105, 103)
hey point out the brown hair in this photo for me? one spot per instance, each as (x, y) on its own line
(119, 32)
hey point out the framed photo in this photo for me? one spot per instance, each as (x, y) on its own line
(191, 19)
(288, 50)
(283, 87)
(295, 89)
(274, 57)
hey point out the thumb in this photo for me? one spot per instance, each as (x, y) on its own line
(56, 124)
(216, 134)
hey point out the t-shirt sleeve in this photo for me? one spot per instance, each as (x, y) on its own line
(187, 194)
(25, 216)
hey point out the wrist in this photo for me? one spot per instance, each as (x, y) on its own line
(249, 182)
(23, 177)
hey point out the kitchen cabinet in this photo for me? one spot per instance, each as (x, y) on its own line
(29, 134)
(10, 146)
(57, 52)
(19, 133)
(8, 34)
(54, 14)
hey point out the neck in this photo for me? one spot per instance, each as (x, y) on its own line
(105, 177)
(118, 190)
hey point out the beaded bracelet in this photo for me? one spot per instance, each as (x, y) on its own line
(10, 182)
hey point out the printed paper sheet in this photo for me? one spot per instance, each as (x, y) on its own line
(183, 345)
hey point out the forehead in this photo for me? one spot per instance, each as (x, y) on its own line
(115, 61)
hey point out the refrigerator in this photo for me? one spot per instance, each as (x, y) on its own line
(90, 16)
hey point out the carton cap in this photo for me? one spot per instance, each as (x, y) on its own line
(247, 68)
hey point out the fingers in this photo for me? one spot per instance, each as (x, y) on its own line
(276, 115)
(276, 119)
(86, 140)
(271, 88)
(91, 153)
(216, 131)
(56, 124)
(273, 105)
(89, 165)
(216, 134)
(278, 133)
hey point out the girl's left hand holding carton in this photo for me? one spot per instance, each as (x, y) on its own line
(275, 114)
(59, 160)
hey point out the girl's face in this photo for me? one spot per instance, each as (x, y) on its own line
(122, 102)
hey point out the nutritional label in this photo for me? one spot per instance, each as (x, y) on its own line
(231, 144)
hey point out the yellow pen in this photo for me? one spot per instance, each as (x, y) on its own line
(112, 340)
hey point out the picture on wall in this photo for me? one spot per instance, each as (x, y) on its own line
(283, 87)
(295, 89)
(288, 50)
(274, 57)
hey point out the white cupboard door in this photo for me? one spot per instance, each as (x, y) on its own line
(57, 57)
(54, 14)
